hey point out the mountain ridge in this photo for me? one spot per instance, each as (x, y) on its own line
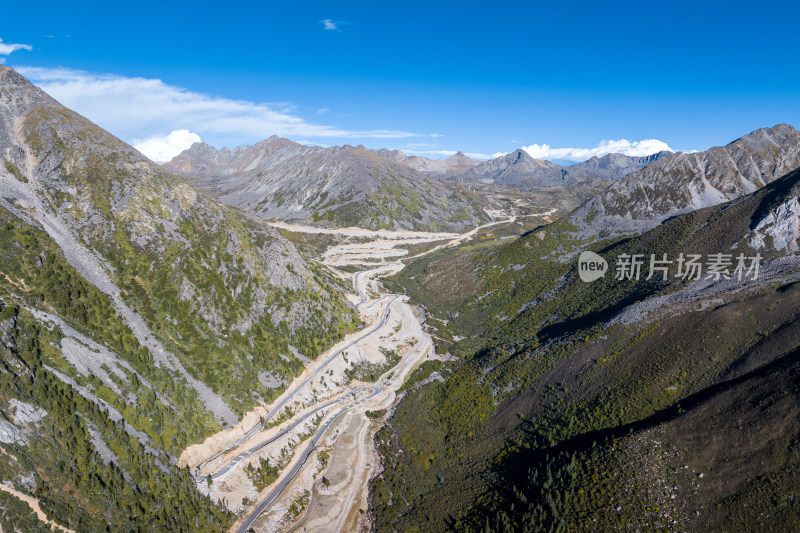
(682, 182)
(519, 169)
(457, 162)
(343, 185)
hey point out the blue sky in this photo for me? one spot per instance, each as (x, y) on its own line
(483, 78)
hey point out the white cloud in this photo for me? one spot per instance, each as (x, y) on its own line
(444, 153)
(333, 25)
(134, 108)
(328, 24)
(7, 48)
(621, 146)
(306, 142)
(162, 148)
(414, 146)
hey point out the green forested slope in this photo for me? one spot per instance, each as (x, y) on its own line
(557, 417)
(137, 316)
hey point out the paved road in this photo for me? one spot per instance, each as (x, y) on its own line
(244, 455)
(287, 397)
(299, 464)
(282, 403)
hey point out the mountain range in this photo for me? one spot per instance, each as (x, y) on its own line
(675, 184)
(386, 189)
(518, 169)
(339, 186)
(453, 164)
(145, 308)
(265, 167)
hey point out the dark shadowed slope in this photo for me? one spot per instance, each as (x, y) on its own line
(613, 404)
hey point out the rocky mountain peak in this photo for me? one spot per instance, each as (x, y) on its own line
(342, 184)
(674, 184)
(778, 135)
(18, 97)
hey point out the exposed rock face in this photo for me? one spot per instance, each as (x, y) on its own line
(452, 165)
(20, 414)
(133, 229)
(518, 169)
(339, 186)
(682, 182)
(25, 413)
(780, 227)
(9, 433)
(6, 329)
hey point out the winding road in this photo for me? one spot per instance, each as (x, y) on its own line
(244, 455)
(299, 464)
(289, 475)
(320, 433)
(362, 295)
(287, 397)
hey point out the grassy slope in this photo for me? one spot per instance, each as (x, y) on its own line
(35, 274)
(202, 275)
(396, 204)
(251, 296)
(533, 391)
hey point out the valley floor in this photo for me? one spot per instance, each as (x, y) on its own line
(303, 463)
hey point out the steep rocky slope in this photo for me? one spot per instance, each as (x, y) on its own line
(232, 280)
(682, 182)
(138, 315)
(339, 186)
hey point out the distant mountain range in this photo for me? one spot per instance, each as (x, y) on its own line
(340, 186)
(454, 164)
(355, 186)
(679, 183)
(518, 169)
